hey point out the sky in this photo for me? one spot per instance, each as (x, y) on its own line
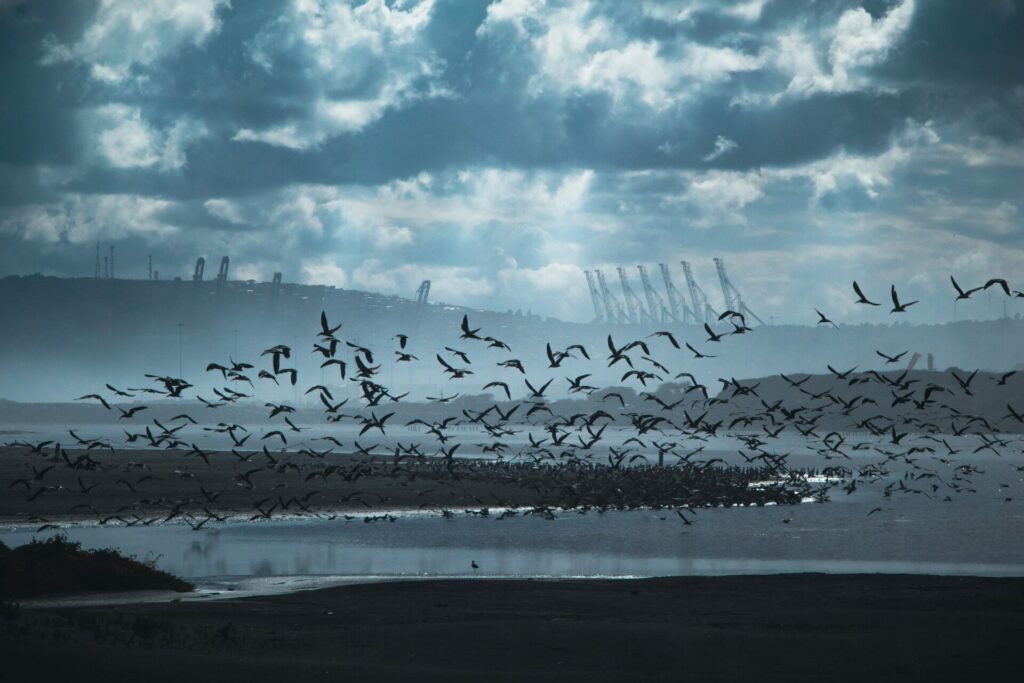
(501, 148)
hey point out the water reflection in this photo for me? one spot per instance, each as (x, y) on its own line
(974, 536)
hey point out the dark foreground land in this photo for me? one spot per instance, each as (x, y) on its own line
(789, 627)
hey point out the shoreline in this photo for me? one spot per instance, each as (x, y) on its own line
(146, 487)
(221, 588)
(773, 627)
(19, 523)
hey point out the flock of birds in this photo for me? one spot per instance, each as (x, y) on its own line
(659, 457)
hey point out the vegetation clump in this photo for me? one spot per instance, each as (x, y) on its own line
(57, 565)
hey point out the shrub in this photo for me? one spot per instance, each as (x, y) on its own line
(58, 565)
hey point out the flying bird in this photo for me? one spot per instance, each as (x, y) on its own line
(125, 414)
(513, 363)
(892, 359)
(118, 392)
(697, 354)
(537, 393)
(823, 319)
(456, 373)
(1001, 381)
(461, 354)
(998, 281)
(326, 330)
(669, 336)
(861, 299)
(897, 307)
(502, 385)
(467, 333)
(97, 397)
(961, 294)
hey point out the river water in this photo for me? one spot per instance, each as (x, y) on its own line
(978, 533)
(971, 535)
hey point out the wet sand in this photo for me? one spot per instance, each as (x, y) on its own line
(790, 627)
(145, 486)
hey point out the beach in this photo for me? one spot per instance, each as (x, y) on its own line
(786, 627)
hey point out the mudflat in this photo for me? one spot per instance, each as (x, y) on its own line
(155, 486)
(766, 628)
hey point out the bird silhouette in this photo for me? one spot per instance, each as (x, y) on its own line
(468, 333)
(961, 294)
(897, 307)
(861, 299)
(823, 319)
(712, 337)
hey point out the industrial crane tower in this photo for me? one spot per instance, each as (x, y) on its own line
(612, 307)
(701, 306)
(733, 300)
(595, 297)
(635, 311)
(656, 309)
(681, 312)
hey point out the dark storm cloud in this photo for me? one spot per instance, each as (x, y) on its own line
(498, 148)
(489, 120)
(970, 44)
(968, 60)
(19, 184)
(37, 109)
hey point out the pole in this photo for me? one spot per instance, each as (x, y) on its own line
(179, 352)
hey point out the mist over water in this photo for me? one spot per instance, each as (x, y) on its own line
(123, 330)
(66, 338)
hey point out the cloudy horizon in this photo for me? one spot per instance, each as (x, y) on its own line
(501, 148)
